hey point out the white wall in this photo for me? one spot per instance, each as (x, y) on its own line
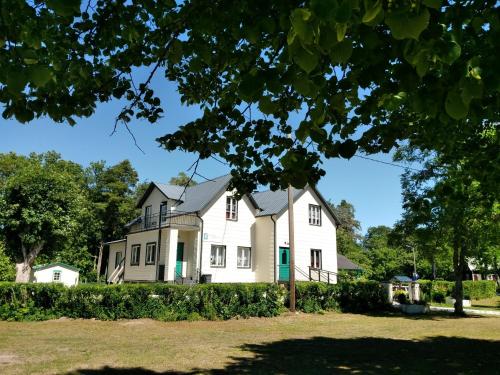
(219, 231)
(141, 272)
(113, 249)
(264, 254)
(68, 277)
(308, 236)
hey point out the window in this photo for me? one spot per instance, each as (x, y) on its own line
(244, 257)
(135, 255)
(218, 256)
(163, 212)
(56, 276)
(147, 217)
(150, 253)
(118, 258)
(314, 214)
(316, 258)
(231, 208)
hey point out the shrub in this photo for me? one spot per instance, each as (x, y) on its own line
(438, 290)
(401, 296)
(130, 301)
(348, 296)
(480, 289)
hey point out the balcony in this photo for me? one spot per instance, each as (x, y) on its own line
(172, 219)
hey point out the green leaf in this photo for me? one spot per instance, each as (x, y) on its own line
(301, 26)
(303, 131)
(305, 59)
(348, 148)
(451, 53)
(471, 89)
(341, 30)
(344, 11)
(16, 81)
(341, 52)
(303, 85)
(65, 7)
(455, 106)
(40, 75)
(267, 106)
(407, 25)
(250, 87)
(436, 4)
(372, 13)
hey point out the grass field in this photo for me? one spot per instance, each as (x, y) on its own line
(289, 344)
(481, 304)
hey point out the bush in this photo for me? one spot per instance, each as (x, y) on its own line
(401, 296)
(438, 290)
(349, 296)
(130, 301)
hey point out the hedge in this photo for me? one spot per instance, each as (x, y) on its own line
(353, 296)
(181, 302)
(438, 290)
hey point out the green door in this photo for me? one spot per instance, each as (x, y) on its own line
(284, 264)
(180, 258)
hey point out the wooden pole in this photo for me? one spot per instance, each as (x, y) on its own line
(291, 241)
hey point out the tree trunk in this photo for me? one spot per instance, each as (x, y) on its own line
(99, 261)
(458, 265)
(23, 269)
(23, 272)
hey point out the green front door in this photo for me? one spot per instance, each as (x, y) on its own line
(180, 258)
(284, 264)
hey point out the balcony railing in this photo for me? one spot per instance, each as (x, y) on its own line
(166, 219)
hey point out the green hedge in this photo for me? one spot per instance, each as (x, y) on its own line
(181, 302)
(438, 290)
(353, 296)
(131, 301)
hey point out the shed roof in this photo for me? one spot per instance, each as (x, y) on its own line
(344, 263)
(402, 279)
(55, 264)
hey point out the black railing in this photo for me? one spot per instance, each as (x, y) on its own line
(318, 274)
(165, 219)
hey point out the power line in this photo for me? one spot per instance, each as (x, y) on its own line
(388, 163)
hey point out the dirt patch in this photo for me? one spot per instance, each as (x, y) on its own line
(8, 359)
(132, 323)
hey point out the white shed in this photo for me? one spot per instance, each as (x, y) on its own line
(56, 273)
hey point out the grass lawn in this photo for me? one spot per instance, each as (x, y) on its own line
(289, 344)
(481, 304)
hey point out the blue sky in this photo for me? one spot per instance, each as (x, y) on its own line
(373, 188)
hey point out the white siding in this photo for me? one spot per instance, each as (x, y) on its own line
(113, 249)
(308, 236)
(141, 272)
(68, 277)
(264, 255)
(155, 199)
(219, 231)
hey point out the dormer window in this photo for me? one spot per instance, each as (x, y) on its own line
(231, 208)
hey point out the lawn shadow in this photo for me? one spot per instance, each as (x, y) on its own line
(367, 355)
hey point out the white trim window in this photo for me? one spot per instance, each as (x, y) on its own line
(118, 258)
(314, 214)
(244, 259)
(135, 255)
(316, 258)
(218, 256)
(56, 276)
(150, 253)
(231, 208)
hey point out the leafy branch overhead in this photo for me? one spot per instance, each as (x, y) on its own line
(362, 75)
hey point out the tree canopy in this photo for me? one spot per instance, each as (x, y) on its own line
(182, 179)
(361, 75)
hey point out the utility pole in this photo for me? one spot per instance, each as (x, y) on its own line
(291, 241)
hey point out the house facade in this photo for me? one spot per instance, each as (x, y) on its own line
(204, 234)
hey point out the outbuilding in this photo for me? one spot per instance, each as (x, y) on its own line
(56, 273)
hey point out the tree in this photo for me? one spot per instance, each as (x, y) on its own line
(7, 268)
(386, 260)
(112, 191)
(40, 204)
(445, 198)
(348, 236)
(363, 75)
(182, 179)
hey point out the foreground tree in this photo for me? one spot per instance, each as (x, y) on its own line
(362, 75)
(40, 205)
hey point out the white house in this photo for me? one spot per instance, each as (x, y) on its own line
(56, 273)
(204, 233)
